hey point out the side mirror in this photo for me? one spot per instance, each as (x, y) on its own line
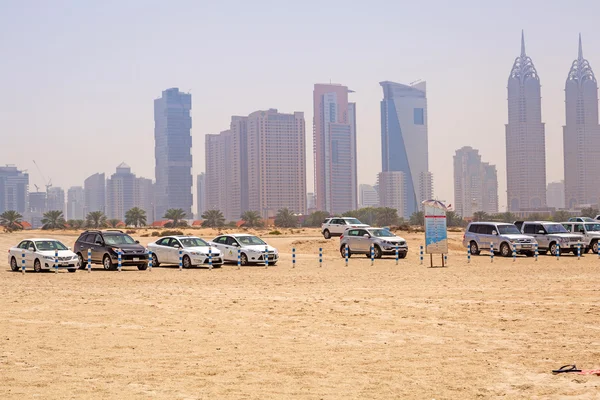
(366, 235)
(494, 233)
(68, 248)
(31, 249)
(98, 242)
(236, 244)
(541, 232)
(176, 245)
(137, 241)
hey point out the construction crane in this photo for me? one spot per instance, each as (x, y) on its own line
(48, 182)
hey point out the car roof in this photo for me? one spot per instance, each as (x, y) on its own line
(41, 239)
(492, 222)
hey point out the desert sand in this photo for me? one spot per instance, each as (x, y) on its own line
(387, 331)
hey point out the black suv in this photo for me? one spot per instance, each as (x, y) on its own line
(105, 246)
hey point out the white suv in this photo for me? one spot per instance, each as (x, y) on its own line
(336, 226)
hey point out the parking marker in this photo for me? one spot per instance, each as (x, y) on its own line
(120, 260)
(397, 254)
(347, 252)
(491, 252)
(266, 257)
(239, 260)
(578, 251)
(210, 265)
(469, 253)
(372, 254)
(56, 261)
(320, 257)
(89, 261)
(149, 260)
(536, 253)
(23, 261)
(514, 252)
(180, 259)
(421, 254)
(557, 251)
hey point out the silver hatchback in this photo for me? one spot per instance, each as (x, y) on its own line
(360, 240)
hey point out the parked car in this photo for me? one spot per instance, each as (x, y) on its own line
(194, 251)
(105, 246)
(40, 254)
(550, 235)
(503, 236)
(252, 249)
(384, 242)
(581, 219)
(590, 232)
(336, 226)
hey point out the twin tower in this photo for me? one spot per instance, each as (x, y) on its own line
(525, 137)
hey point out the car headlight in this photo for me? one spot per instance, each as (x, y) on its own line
(196, 253)
(75, 258)
(564, 240)
(49, 257)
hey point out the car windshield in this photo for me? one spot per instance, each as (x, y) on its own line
(592, 227)
(381, 233)
(249, 240)
(555, 228)
(193, 242)
(352, 221)
(47, 245)
(118, 239)
(508, 230)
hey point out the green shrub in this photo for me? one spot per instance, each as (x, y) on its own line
(171, 233)
(275, 232)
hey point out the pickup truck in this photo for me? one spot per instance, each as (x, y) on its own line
(551, 235)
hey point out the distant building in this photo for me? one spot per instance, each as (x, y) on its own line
(14, 189)
(75, 203)
(367, 196)
(392, 192)
(173, 144)
(475, 184)
(222, 175)
(404, 143)
(94, 188)
(525, 137)
(555, 195)
(201, 193)
(120, 192)
(144, 198)
(581, 135)
(56, 200)
(311, 202)
(334, 129)
(37, 207)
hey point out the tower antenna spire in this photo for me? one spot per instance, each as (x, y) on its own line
(522, 43)
(580, 54)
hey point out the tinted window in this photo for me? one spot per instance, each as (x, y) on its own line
(48, 245)
(118, 239)
(231, 241)
(474, 228)
(487, 229)
(529, 229)
(23, 244)
(353, 232)
(568, 227)
(221, 240)
(579, 228)
(508, 230)
(362, 232)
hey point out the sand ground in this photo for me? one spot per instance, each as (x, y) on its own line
(477, 330)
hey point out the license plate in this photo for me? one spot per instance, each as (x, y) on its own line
(526, 246)
(136, 259)
(64, 264)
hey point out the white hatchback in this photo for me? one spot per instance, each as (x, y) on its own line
(42, 254)
(194, 251)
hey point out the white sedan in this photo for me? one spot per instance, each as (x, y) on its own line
(194, 251)
(252, 249)
(40, 254)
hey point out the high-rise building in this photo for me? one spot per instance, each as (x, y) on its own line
(311, 202)
(475, 184)
(392, 192)
(525, 137)
(75, 203)
(144, 197)
(14, 189)
(56, 200)
(173, 141)
(94, 188)
(334, 130)
(38, 203)
(555, 194)
(367, 196)
(581, 135)
(201, 191)
(120, 192)
(404, 143)
(223, 174)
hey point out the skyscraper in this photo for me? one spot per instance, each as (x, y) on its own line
(75, 203)
(367, 196)
(94, 188)
(392, 192)
(334, 130)
(555, 194)
(201, 193)
(14, 189)
(223, 174)
(56, 199)
(144, 197)
(173, 141)
(120, 192)
(475, 184)
(525, 137)
(581, 135)
(404, 143)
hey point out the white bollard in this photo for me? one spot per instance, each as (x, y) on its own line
(119, 260)
(397, 254)
(347, 253)
(421, 254)
(491, 252)
(239, 259)
(320, 257)
(536, 252)
(514, 252)
(89, 261)
(469, 253)
(372, 255)
(23, 261)
(266, 257)
(578, 251)
(149, 260)
(210, 264)
(56, 261)
(557, 251)
(180, 259)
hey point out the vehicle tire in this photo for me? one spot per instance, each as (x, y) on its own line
(474, 248)
(107, 263)
(13, 264)
(37, 266)
(505, 250)
(343, 252)
(187, 263)
(377, 252)
(142, 267)
(72, 269)
(82, 264)
(272, 264)
(401, 255)
(327, 234)
(243, 259)
(594, 247)
(553, 248)
(530, 254)
(155, 262)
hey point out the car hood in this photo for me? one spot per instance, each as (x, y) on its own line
(259, 248)
(396, 239)
(61, 253)
(203, 249)
(518, 236)
(572, 236)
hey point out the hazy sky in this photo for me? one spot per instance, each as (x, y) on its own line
(78, 78)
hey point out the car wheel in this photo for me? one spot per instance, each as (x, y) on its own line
(553, 248)
(474, 248)
(37, 266)
(142, 267)
(530, 254)
(243, 259)
(13, 264)
(81, 262)
(187, 263)
(594, 247)
(401, 255)
(72, 269)
(272, 264)
(504, 250)
(343, 251)
(377, 252)
(107, 263)
(327, 234)
(155, 262)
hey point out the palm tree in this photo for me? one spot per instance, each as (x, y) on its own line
(53, 220)
(417, 218)
(213, 219)
(113, 223)
(252, 219)
(285, 219)
(76, 223)
(11, 220)
(95, 219)
(136, 217)
(176, 215)
(315, 219)
(480, 216)
(507, 217)
(387, 216)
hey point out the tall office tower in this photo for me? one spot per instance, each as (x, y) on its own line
(173, 141)
(367, 196)
(75, 203)
(581, 135)
(144, 197)
(392, 192)
(311, 202)
(223, 175)
(404, 143)
(475, 184)
(14, 189)
(38, 202)
(525, 137)
(276, 162)
(94, 188)
(120, 192)
(56, 200)
(334, 130)
(239, 130)
(555, 194)
(201, 194)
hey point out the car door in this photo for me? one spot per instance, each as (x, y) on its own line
(541, 236)
(494, 236)
(351, 239)
(29, 255)
(97, 246)
(362, 243)
(231, 248)
(221, 244)
(162, 250)
(336, 226)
